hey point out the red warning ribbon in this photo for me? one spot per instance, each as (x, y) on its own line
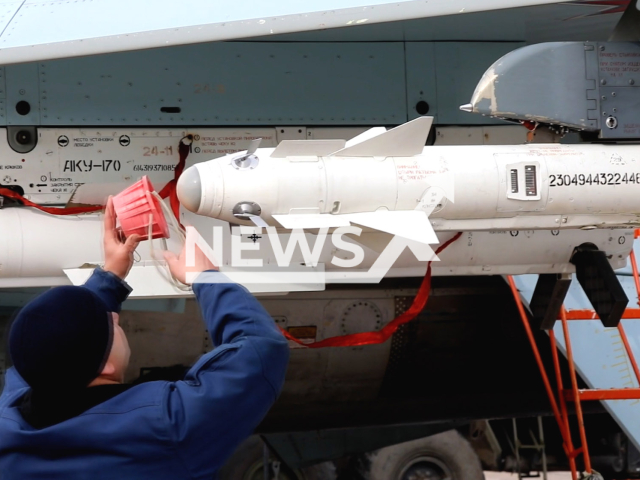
(372, 338)
(169, 190)
(5, 192)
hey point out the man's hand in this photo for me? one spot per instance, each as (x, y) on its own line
(118, 251)
(178, 263)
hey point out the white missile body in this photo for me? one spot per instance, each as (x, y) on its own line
(37, 247)
(486, 188)
(41, 250)
(391, 183)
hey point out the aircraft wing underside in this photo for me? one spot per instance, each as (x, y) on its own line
(34, 30)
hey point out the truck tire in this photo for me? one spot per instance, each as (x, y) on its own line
(445, 456)
(246, 464)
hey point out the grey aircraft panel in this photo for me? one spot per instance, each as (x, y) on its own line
(39, 30)
(252, 83)
(226, 83)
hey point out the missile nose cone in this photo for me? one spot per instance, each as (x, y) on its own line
(189, 189)
(467, 107)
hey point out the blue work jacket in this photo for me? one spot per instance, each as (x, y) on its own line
(159, 430)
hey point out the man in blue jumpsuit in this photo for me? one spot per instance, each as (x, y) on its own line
(66, 413)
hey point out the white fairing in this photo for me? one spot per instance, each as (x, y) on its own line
(475, 253)
(38, 246)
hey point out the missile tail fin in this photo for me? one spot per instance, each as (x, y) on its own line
(409, 224)
(366, 135)
(405, 140)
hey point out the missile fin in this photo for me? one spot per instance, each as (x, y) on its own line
(405, 140)
(258, 221)
(364, 136)
(253, 146)
(409, 224)
(307, 148)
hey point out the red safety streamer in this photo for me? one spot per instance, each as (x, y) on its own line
(5, 192)
(169, 189)
(372, 338)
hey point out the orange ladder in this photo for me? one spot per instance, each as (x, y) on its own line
(574, 394)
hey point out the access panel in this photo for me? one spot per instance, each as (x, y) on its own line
(229, 84)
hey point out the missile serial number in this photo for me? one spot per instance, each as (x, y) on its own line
(154, 168)
(90, 165)
(594, 179)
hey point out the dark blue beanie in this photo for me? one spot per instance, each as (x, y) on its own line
(62, 338)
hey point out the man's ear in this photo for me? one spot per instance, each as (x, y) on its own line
(109, 369)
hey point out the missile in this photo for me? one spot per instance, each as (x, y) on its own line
(44, 250)
(392, 183)
(41, 250)
(37, 247)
